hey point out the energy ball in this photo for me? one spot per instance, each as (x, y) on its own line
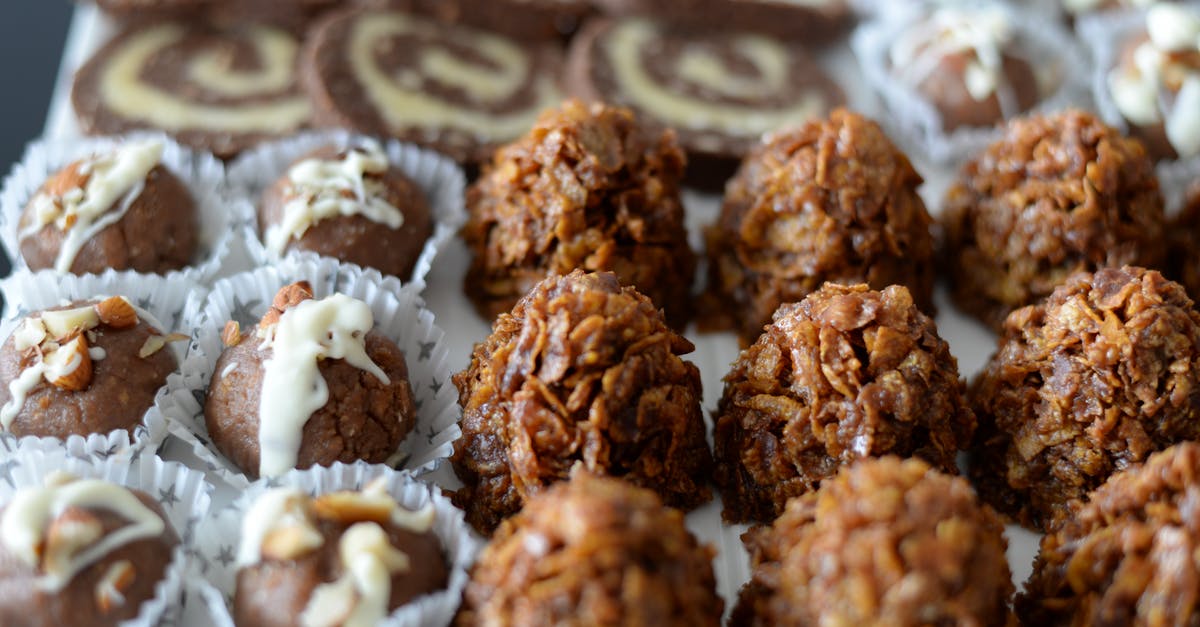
(885, 542)
(589, 188)
(1093, 380)
(844, 374)
(582, 371)
(352, 205)
(1129, 555)
(593, 551)
(832, 200)
(310, 385)
(1057, 195)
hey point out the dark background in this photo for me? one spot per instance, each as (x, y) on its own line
(32, 35)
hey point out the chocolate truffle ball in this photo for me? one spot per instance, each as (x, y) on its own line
(1100, 375)
(969, 63)
(365, 416)
(832, 200)
(51, 582)
(88, 367)
(1056, 195)
(121, 210)
(315, 561)
(1129, 555)
(885, 542)
(593, 551)
(582, 370)
(844, 374)
(351, 205)
(588, 188)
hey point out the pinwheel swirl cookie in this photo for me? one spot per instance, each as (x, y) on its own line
(215, 88)
(719, 91)
(456, 89)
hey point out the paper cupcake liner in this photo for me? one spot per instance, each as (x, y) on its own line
(217, 541)
(916, 123)
(203, 175)
(399, 315)
(164, 299)
(440, 178)
(183, 494)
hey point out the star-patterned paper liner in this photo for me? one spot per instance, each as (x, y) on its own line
(164, 299)
(399, 314)
(218, 213)
(440, 178)
(216, 545)
(183, 493)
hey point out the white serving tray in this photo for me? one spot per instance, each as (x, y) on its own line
(970, 342)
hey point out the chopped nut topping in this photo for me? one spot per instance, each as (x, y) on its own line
(232, 335)
(117, 313)
(110, 590)
(73, 530)
(288, 296)
(69, 366)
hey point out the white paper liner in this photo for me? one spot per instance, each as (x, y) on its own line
(1116, 27)
(440, 178)
(913, 120)
(183, 494)
(202, 173)
(217, 541)
(399, 315)
(164, 299)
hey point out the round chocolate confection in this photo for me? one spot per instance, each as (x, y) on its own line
(1147, 85)
(355, 237)
(969, 64)
(593, 551)
(456, 89)
(364, 418)
(1056, 195)
(587, 188)
(833, 200)
(105, 593)
(813, 21)
(582, 370)
(885, 542)
(844, 374)
(1091, 381)
(1126, 556)
(102, 366)
(719, 91)
(220, 88)
(278, 590)
(156, 234)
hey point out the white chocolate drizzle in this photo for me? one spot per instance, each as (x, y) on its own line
(369, 560)
(323, 188)
(1137, 89)
(404, 105)
(981, 32)
(113, 182)
(293, 388)
(24, 524)
(277, 508)
(123, 90)
(628, 42)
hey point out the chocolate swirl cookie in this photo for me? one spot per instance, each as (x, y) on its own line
(221, 89)
(719, 91)
(456, 89)
(810, 21)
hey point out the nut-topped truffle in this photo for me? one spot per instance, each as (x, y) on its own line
(80, 551)
(1126, 556)
(885, 542)
(844, 374)
(832, 200)
(121, 209)
(310, 385)
(88, 367)
(1058, 194)
(593, 551)
(582, 370)
(352, 205)
(1100, 375)
(588, 188)
(341, 558)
